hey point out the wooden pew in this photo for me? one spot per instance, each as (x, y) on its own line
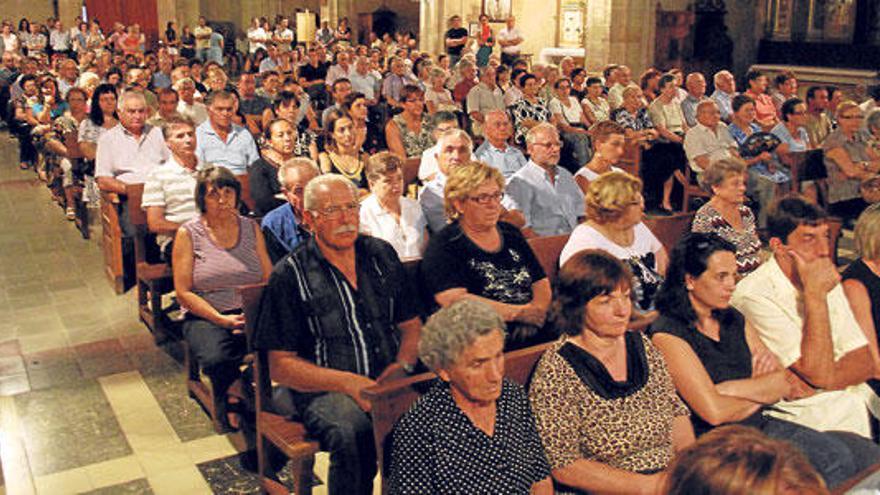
(547, 250)
(669, 229)
(390, 400)
(286, 435)
(690, 188)
(153, 279)
(111, 241)
(631, 161)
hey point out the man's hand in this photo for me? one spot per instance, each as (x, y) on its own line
(818, 276)
(798, 388)
(394, 371)
(354, 388)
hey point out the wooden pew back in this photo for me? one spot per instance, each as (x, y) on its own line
(670, 229)
(111, 241)
(392, 399)
(547, 250)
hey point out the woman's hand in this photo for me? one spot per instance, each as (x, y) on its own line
(231, 322)
(765, 362)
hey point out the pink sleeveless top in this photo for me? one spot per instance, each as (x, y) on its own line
(218, 271)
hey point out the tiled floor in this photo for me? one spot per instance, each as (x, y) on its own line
(88, 404)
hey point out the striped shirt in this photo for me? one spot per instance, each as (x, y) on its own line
(172, 187)
(218, 271)
(310, 308)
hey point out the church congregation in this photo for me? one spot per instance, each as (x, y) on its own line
(471, 272)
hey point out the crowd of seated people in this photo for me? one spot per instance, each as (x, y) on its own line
(361, 162)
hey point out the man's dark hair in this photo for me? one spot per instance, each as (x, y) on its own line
(788, 107)
(664, 80)
(812, 90)
(441, 117)
(593, 80)
(740, 101)
(217, 95)
(339, 81)
(789, 213)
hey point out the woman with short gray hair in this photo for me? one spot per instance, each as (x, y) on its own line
(453, 439)
(727, 215)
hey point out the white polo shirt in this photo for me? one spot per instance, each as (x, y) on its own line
(700, 140)
(772, 304)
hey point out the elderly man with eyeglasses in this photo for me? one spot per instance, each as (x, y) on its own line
(544, 192)
(336, 317)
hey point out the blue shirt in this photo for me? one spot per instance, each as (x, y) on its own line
(282, 224)
(550, 208)
(794, 145)
(689, 109)
(724, 101)
(508, 161)
(779, 174)
(431, 200)
(237, 153)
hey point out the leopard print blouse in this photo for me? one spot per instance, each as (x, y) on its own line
(633, 432)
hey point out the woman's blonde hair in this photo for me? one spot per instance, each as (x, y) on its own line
(610, 194)
(739, 460)
(844, 106)
(867, 233)
(463, 180)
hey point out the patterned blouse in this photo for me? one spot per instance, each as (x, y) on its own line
(414, 143)
(638, 122)
(522, 110)
(747, 242)
(437, 449)
(583, 413)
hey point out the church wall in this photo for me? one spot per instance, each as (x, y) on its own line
(38, 11)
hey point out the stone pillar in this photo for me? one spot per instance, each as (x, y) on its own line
(620, 31)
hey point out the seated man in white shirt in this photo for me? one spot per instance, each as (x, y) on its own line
(168, 192)
(496, 150)
(441, 122)
(545, 193)
(797, 305)
(708, 141)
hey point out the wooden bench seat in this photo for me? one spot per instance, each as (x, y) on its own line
(288, 436)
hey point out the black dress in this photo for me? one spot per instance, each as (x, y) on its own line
(263, 178)
(858, 270)
(452, 260)
(727, 359)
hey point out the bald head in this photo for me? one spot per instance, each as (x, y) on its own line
(696, 84)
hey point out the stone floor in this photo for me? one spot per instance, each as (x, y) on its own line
(88, 404)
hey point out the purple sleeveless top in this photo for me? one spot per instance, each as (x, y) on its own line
(217, 271)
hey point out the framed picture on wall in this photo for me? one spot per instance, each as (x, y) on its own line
(498, 10)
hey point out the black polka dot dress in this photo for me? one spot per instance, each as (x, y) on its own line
(437, 449)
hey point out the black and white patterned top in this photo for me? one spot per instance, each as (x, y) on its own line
(524, 109)
(437, 449)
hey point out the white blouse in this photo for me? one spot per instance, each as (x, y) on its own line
(408, 237)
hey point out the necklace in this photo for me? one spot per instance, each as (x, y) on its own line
(349, 166)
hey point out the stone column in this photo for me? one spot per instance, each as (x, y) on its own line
(620, 31)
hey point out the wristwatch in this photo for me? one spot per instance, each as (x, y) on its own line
(409, 368)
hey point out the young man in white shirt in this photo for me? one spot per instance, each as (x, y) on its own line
(797, 305)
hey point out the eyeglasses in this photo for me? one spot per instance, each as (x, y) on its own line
(336, 212)
(553, 144)
(486, 199)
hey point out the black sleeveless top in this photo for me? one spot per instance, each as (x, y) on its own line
(727, 359)
(858, 270)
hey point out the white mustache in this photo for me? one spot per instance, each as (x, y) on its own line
(345, 229)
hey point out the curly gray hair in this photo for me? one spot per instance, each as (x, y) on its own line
(453, 329)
